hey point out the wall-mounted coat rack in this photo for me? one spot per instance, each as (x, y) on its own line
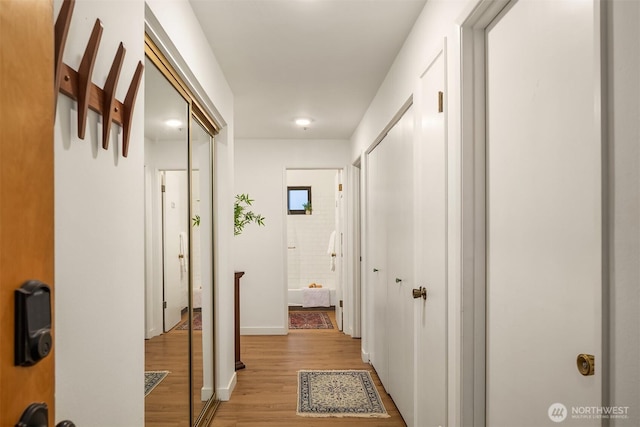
(78, 85)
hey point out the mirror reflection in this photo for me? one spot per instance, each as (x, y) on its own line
(167, 226)
(202, 261)
(179, 247)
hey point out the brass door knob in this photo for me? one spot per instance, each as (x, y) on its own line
(586, 364)
(420, 292)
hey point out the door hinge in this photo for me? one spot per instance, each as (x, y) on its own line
(339, 187)
(163, 188)
(340, 303)
(440, 102)
(164, 304)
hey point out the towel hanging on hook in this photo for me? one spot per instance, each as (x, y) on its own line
(331, 250)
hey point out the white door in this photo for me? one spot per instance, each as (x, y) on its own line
(431, 233)
(175, 231)
(400, 241)
(377, 251)
(544, 213)
(391, 247)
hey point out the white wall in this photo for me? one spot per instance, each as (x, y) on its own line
(438, 20)
(624, 142)
(176, 29)
(99, 227)
(99, 210)
(309, 235)
(441, 19)
(260, 252)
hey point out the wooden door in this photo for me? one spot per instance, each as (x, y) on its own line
(544, 213)
(26, 189)
(431, 247)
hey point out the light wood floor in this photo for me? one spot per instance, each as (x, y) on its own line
(168, 404)
(266, 392)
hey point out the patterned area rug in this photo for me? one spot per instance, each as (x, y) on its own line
(152, 379)
(338, 394)
(197, 323)
(309, 320)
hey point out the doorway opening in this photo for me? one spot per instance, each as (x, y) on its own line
(315, 236)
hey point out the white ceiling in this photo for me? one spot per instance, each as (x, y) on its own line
(323, 59)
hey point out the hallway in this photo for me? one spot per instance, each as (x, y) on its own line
(266, 391)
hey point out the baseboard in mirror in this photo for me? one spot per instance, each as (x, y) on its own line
(206, 393)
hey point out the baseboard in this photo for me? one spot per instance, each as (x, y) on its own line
(264, 331)
(301, 308)
(206, 393)
(364, 355)
(150, 333)
(224, 394)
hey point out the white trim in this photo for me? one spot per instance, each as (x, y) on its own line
(365, 356)
(600, 103)
(395, 119)
(364, 253)
(472, 262)
(356, 249)
(206, 393)
(224, 393)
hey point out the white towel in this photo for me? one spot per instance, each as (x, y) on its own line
(316, 297)
(332, 243)
(182, 255)
(331, 250)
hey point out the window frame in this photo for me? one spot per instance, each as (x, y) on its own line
(297, 188)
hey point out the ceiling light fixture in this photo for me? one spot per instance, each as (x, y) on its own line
(173, 123)
(303, 122)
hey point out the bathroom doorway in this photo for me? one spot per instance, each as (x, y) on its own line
(314, 218)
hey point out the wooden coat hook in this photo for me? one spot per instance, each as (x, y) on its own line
(78, 85)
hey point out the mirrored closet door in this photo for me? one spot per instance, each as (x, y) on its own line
(202, 266)
(179, 245)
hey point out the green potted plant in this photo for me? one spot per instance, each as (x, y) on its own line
(243, 215)
(307, 207)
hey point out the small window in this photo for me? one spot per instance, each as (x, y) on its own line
(298, 200)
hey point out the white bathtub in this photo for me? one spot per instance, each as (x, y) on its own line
(295, 297)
